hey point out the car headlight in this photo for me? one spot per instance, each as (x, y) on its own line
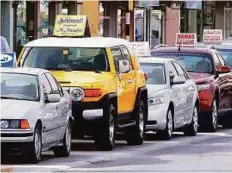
(203, 87)
(11, 124)
(77, 94)
(156, 100)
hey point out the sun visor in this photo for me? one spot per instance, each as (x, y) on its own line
(71, 26)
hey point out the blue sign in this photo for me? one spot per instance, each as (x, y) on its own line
(153, 3)
(194, 5)
(8, 60)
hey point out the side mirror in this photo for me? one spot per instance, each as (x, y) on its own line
(223, 69)
(124, 66)
(53, 98)
(178, 80)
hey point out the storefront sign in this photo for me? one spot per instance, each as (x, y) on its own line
(153, 3)
(212, 36)
(70, 25)
(186, 39)
(142, 48)
(194, 5)
(8, 60)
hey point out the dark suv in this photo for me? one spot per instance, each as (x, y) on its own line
(213, 78)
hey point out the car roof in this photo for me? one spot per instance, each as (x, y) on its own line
(95, 42)
(155, 60)
(182, 49)
(31, 71)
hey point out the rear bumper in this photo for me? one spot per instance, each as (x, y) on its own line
(206, 98)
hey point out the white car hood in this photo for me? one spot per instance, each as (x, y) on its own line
(156, 89)
(15, 109)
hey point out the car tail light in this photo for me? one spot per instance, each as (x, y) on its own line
(24, 124)
(93, 93)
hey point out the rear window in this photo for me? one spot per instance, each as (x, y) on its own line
(56, 58)
(155, 73)
(197, 63)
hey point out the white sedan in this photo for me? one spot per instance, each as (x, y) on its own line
(36, 113)
(173, 102)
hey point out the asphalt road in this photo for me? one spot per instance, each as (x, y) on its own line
(206, 152)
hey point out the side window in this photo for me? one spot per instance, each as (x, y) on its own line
(217, 61)
(46, 85)
(126, 55)
(171, 69)
(117, 55)
(53, 83)
(221, 59)
(180, 71)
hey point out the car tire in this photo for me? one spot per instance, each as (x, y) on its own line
(192, 129)
(135, 135)
(227, 123)
(212, 118)
(65, 149)
(105, 134)
(33, 154)
(167, 133)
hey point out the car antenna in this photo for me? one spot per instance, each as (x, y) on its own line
(179, 47)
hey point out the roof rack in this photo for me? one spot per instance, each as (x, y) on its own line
(160, 45)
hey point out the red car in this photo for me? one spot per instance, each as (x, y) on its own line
(213, 78)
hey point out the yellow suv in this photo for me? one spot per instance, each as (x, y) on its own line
(104, 80)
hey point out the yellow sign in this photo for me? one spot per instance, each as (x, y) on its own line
(70, 25)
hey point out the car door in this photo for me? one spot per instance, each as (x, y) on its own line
(122, 83)
(225, 85)
(48, 116)
(61, 109)
(130, 80)
(176, 96)
(189, 92)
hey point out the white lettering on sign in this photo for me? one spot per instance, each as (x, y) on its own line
(142, 48)
(5, 58)
(212, 36)
(186, 39)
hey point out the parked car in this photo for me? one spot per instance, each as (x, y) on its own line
(225, 49)
(35, 113)
(173, 102)
(213, 78)
(102, 75)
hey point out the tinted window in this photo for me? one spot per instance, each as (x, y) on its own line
(198, 63)
(86, 59)
(19, 86)
(46, 85)
(155, 73)
(117, 55)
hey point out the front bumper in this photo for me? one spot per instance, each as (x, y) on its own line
(157, 117)
(16, 135)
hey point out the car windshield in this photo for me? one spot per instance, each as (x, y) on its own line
(56, 58)
(19, 86)
(196, 63)
(155, 73)
(227, 54)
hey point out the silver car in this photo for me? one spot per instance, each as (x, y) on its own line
(36, 113)
(173, 102)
